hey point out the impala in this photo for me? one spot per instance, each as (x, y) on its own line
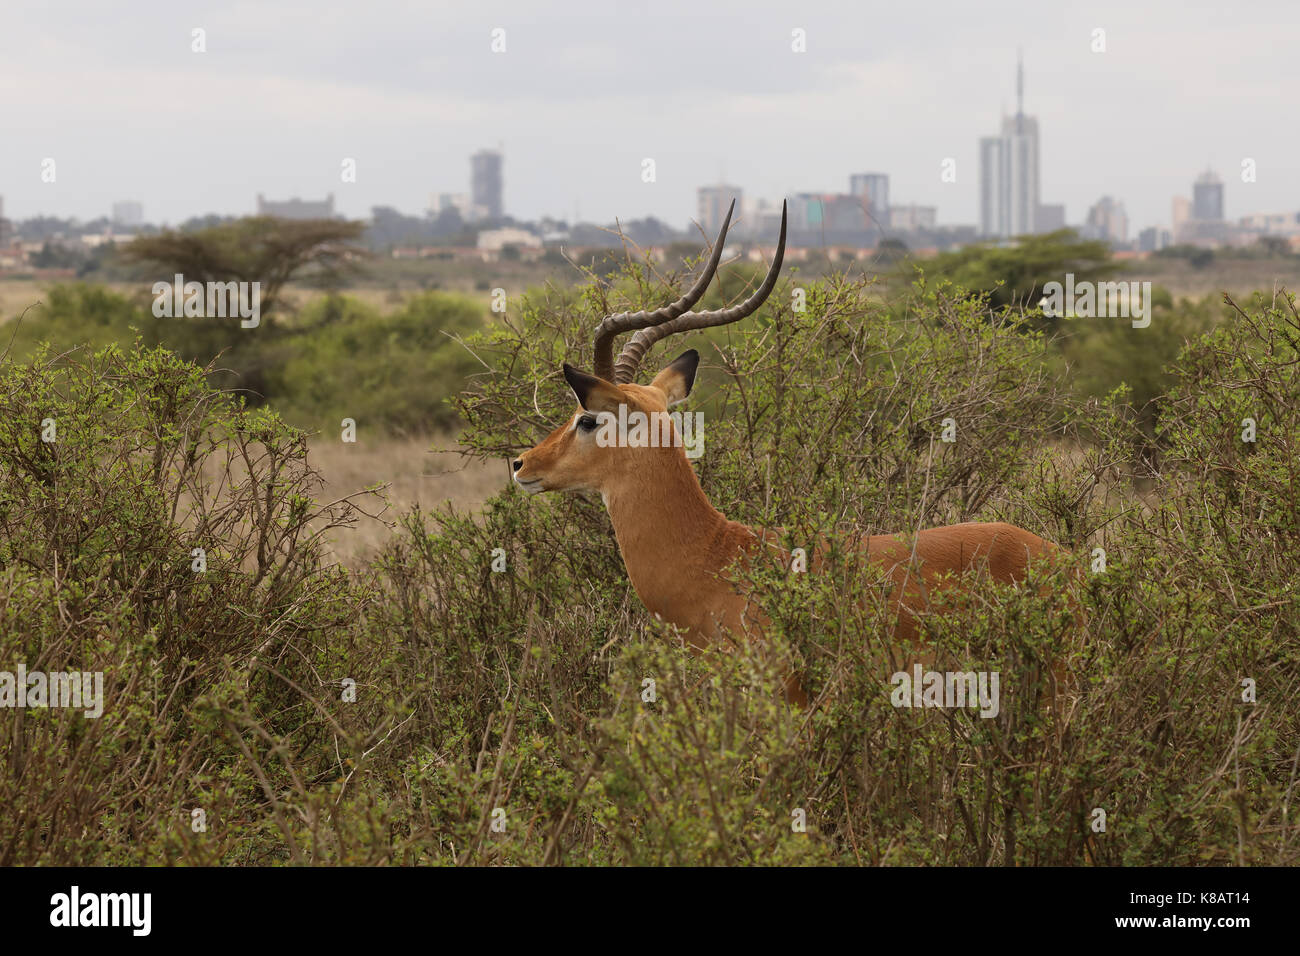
(675, 545)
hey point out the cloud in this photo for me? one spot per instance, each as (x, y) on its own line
(585, 92)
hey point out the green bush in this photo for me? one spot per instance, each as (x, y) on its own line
(1013, 275)
(539, 715)
(400, 370)
(157, 532)
(1108, 353)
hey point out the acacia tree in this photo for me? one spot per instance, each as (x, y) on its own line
(259, 249)
(1014, 274)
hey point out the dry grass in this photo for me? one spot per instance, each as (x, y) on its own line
(18, 294)
(414, 473)
(1238, 277)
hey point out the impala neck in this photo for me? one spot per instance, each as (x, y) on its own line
(673, 541)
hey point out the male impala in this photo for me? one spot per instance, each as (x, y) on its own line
(675, 544)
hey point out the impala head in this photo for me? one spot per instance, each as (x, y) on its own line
(580, 455)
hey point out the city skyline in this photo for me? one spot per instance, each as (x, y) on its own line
(188, 133)
(861, 216)
(1010, 206)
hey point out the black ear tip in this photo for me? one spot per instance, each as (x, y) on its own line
(580, 382)
(686, 364)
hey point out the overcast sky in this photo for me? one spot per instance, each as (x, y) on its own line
(586, 90)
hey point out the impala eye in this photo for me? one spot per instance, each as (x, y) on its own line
(586, 423)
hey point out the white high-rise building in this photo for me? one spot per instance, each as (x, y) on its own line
(1009, 188)
(993, 187)
(1020, 133)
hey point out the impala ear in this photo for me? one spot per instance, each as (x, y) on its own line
(677, 377)
(593, 393)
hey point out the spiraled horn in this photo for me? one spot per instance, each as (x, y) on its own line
(629, 360)
(613, 325)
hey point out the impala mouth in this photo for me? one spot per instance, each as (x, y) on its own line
(531, 485)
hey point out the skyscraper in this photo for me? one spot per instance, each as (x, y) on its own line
(127, 213)
(1050, 217)
(1009, 191)
(485, 184)
(993, 187)
(1207, 197)
(1107, 220)
(1203, 223)
(874, 187)
(712, 205)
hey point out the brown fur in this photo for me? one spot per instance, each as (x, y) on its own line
(675, 544)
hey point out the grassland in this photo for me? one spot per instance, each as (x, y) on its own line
(325, 686)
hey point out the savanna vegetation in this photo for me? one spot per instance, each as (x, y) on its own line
(489, 689)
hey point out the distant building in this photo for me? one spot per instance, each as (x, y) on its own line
(806, 211)
(765, 220)
(486, 188)
(457, 201)
(1008, 173)
(1272, 224)
(1153, 239)
(1200, 221)
(712, 203)
(1207, 197)
(835, 218)
(994, 215)
(912, 218)
(128, 213)
(92, 241)
(1210, 233)
(1050, 217)
(1020, 133)
(296, 208)
(874, 187)
(492, 242)
(759, 218)
(1107, 220)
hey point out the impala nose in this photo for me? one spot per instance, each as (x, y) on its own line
(517, 464)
